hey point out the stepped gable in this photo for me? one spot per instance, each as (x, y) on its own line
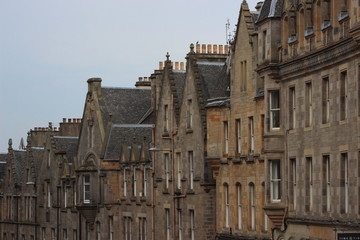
(270, 9)
(125, 135)
(125, 105)
(67, 145)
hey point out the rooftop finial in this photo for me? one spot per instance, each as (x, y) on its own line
(10, 144)
(167, 56)
(28, 138)
(192, 47)
(22, 145)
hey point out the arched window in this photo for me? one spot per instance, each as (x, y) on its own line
(252, 205)
(227, 205)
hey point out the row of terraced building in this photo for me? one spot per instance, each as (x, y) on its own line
(255, 140)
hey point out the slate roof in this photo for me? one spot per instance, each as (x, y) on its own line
(127, 105)
(215, 80)
(126, 134)
(19, 165)
(179, 78)
(270, 9)
(38, 156)
(3, 158)
(67, 144)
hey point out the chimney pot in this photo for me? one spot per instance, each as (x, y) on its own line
(161, 65)
(140, 79)
(182, 66)
(209, 50)
(69, 120)
(64, 120)
(197, 48)
(215, 49)
(226, 49)
(176, 65)
(221, 51)
(203, 48)
(74, 120)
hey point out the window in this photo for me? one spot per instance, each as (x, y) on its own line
(127, 228)
(345, 183)
(292, 190)
(180, 225)
(238, 135)
(167, 227)
(145, 179)
(292, 108)
(53, 234)
(325, 100)
(309, 184)
(43, 233)
(189, 117)
(192, 224)
(226, 137)
(264, 213)
(142, 228)
(86, 179)
(48, 194)
(227, 205)
(74, 234)
(166, 118)
(111, 228)
(264, 45)
(274, 110)
(134, 182)
(65, 237)
(125, 182)
(243, 79)
(251, 135)
(74, 193)
(308, 104)
(65, 195)
(275, 180)
(179, 170)
(239, 206)
(191, 169)
(49, 158)
(326, 183)
(343, 95)
(167, 170)
(252, 205)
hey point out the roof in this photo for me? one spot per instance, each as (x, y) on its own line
(179, 79)
(126, 105)
(67, 144)
(270, 9)
(126, 134)
(3, 159)
(19, 165)
(215, 80)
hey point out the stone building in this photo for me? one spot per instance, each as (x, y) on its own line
(309, 60)
(184, 188)
(235, 140)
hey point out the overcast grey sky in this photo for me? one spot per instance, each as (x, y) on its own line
(48, 49)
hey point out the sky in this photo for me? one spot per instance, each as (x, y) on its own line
(48, 50)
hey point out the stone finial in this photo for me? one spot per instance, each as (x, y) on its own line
(22, 145)
(28, 138)
(258, 6)
(167, 56)
(192, 47)
(50, 126)
(10, 144)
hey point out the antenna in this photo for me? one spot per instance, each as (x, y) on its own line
(227, 28)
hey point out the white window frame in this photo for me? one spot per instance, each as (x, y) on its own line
(167, 169)
(310, 174)
(167, 227)
(238, 136)
(226, 137)
(292, 108)
(86, 184)
(252, 206)
(346, 181)
(180, 225)
(227, 205)
(252, 137)
(309, 104)
(124, 182)
(275, 180)
(274, 110)
(111, 228)
(191, 169)
(239, 206)
(145, 182)
(328, 182)
(135, 182)
(179, 170)
(326, 98)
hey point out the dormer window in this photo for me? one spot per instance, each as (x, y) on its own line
(86, 188)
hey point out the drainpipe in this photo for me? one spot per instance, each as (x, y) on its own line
(153, 183)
